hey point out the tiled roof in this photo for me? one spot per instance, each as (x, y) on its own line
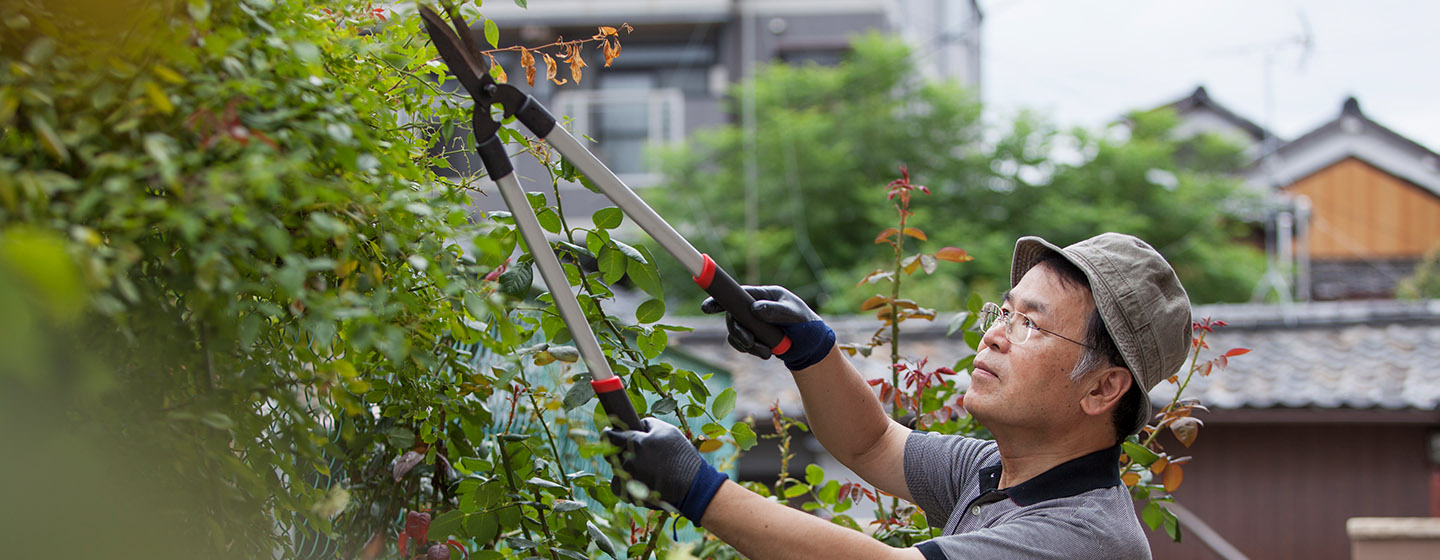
(1347, 354)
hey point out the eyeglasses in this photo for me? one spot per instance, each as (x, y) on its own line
(990, 313)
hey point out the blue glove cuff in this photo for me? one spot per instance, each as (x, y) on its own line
(809, 343)
(707, 482)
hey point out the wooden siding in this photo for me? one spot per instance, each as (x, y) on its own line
(1360, 211)
(1285, 491)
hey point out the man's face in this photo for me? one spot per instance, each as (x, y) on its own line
(1028, 385)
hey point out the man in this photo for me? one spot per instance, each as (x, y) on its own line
(1060, 380)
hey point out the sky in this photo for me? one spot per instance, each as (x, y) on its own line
(1084, 63)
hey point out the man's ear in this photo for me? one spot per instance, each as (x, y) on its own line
(1104, 389)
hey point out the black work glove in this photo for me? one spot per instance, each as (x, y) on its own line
(810, 338)
(662, 459)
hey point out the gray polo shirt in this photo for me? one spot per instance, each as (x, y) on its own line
(1077, 510)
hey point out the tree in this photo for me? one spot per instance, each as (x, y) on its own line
(243, 316)
(825, 135)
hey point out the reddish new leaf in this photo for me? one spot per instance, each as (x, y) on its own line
(886, 235)
(874, 302)
(1231, 353)
(953, 254)
(417, 523)
(916, 233)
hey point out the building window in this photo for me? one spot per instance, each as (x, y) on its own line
(626, 115)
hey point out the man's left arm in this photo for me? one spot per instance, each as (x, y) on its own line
(761, 529)
(664, 460)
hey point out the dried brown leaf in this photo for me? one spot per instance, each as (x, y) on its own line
(552, 68)
(576, 63)
(1186, 429)
(527, 60)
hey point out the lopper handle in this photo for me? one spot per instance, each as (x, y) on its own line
(611, 394)
(737, 302)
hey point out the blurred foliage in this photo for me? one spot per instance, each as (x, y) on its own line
(826, 134)
(1424, 283)
(241, 316)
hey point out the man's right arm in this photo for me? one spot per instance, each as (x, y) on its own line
(849, 422)
(839, 406)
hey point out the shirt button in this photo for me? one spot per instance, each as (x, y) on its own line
(975, 510)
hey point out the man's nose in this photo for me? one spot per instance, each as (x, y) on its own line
(996, 335)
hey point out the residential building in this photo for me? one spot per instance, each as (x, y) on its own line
(675, 69)
(1354, 205)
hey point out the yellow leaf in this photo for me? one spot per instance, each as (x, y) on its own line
(1159, 465)
(606, 30)
(911, 264)
(1130, 478)
(710, 445)
(345, 268)
(158, 98)
(168, 74)
(916, 233)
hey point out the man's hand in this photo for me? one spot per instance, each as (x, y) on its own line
(810, 338)
(663, 460)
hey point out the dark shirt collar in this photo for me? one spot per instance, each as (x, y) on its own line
(1100, 469)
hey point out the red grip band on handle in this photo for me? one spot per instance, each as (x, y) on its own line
(707, 272)
(608, 385)
(781, 348)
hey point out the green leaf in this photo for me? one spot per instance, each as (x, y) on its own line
(515, 281)
(542, 483)
(744, 435)
(653, 343)
(650, 311)
(814, 474)
(829, 493)
(1172, 524)
(601, 540)
(608, 218)
(445, 525)
(713, 430)
(631, 252)
(663, 406)
(1139, 454)
(724, 403)
(521, 3)
(481, 527)
(579, 393)
(549, 220)
(796, 490)
(492, 33)
(645, 277)
(568, 505)
(611, 264)
(1152, 515)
